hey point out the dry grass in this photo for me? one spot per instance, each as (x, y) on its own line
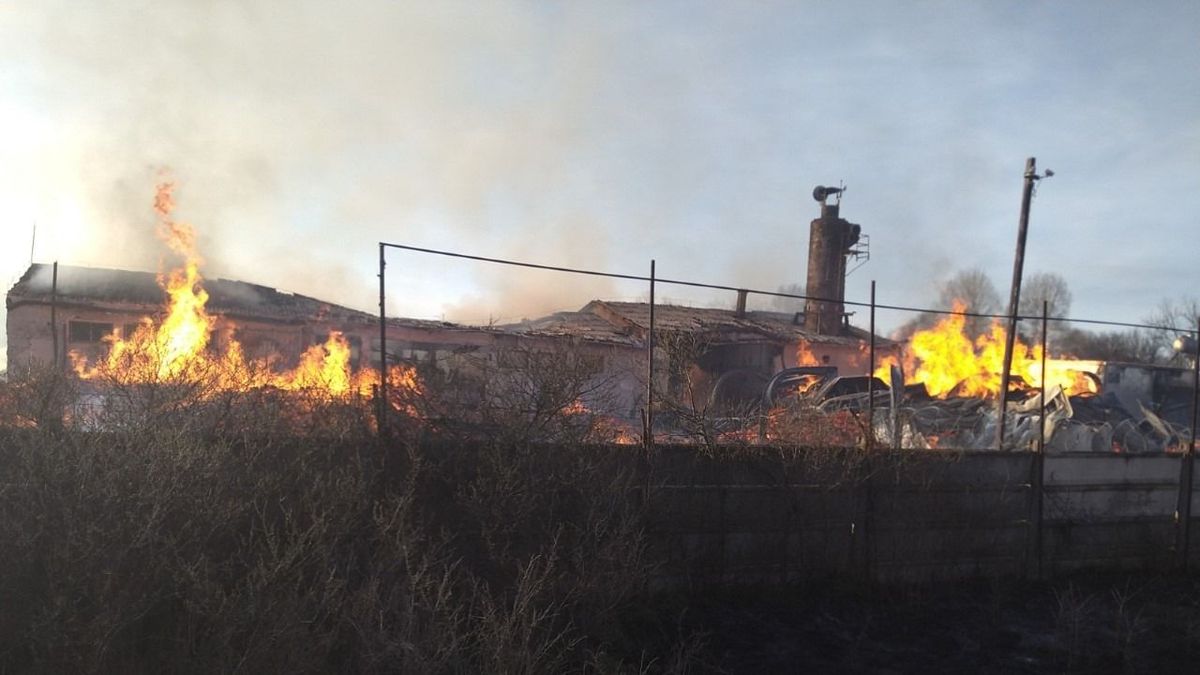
(202, 539)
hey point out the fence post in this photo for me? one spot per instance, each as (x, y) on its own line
(868, 519)
(381, 409)
(1037, 470)
(54, 316)
(871, 378)
(1184, 509)
(648, 434)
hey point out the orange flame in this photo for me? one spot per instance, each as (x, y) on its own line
(947, 361)
(604, 428)
(178, 347)
(805, 356)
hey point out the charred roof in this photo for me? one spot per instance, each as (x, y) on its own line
(122, 288)
(627, 322)
(601, 321)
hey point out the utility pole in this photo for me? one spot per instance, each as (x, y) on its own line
(1014, 300)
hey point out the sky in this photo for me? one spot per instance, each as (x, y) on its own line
(603, 135)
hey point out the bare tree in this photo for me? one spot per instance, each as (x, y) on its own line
(789, 304)
(1049, 288)
(1134, 346)
(972, 290)
(1176, 316)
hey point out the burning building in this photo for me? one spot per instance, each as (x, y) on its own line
(126, 327)
(137, 331)
(139, 327)
(64, 313)
(730, 354)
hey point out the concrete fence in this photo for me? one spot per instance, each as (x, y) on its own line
(915, 516)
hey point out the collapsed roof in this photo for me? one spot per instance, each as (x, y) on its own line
(627, 323)
(600, 321)
(91, 286)
(121, 289)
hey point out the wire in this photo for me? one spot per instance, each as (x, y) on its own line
(776, 294)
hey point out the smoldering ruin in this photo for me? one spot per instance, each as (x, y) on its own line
(730, 375)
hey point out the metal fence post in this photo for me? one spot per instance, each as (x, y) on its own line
(1037, 472)
(649, 432)
(382, 407)
(1184, 510)
(868, 518)
(1042, 414)
(54, 315)
(871, 378)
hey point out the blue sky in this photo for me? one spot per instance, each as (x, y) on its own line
(603, 135)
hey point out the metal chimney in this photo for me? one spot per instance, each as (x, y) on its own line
(831, 240)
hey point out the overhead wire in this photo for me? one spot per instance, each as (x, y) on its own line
(777, 294)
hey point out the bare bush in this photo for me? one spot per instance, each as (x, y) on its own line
(686, 402)
(529, 394)
(258, 531)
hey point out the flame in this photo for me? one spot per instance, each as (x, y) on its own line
(576, 407)
(179, 347)
(805, 356)
(603, 428)
(808, 384)
(947, 361)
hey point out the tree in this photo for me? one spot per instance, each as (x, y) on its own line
(1137, 345)
(1049, 288)
(789, 305)
(1133, 346)
(972, 290)
(1176, 316)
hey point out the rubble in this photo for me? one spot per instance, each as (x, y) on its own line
(1108, 421)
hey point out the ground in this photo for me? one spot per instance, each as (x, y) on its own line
(1082, 624)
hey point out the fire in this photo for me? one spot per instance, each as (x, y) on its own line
(805, 356)
(603, 428)
(576, 407)
(808, 384)
(947, 361)
(179, 347)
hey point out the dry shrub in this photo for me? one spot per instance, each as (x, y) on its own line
(521, 394)
(800, 423)
(168, 537)
(37, 399)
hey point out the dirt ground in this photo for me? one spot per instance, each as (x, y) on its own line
(1082, 624)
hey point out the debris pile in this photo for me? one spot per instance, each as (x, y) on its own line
(1137, 409)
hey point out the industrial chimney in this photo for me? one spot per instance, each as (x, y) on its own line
(831, 240)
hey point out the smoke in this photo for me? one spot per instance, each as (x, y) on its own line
(299, 137)
(301, 134)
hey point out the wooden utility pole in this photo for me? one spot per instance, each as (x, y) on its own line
(1014, 300)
